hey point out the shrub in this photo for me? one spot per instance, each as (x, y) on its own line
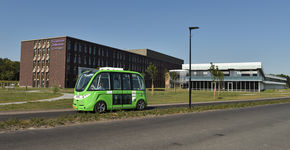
(55, 89)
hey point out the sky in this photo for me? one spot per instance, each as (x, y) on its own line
(230, 30)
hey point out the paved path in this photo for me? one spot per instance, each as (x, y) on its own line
(64, 96)
(255, 128)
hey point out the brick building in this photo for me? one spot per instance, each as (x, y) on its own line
(55, 61)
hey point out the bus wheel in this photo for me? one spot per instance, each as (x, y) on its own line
(100, 107)
(140, 105)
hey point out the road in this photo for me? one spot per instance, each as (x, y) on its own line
(261, 127)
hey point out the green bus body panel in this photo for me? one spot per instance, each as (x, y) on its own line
(88, 103)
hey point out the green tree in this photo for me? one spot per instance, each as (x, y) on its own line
(220, 76)
(214, 76)
(9, 70)
(152, 71)
(173, 77)
(288, 79)
(166, 77)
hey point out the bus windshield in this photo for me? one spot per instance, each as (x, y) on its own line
(83, 81)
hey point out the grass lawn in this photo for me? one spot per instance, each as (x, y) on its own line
(19, 94)
(181, 96)
(60, 104)
(160, 97)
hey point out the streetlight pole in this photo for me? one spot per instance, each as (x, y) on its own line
(190, 28)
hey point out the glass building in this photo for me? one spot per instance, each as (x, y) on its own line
(246, 76)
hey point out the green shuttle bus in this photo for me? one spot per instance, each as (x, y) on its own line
(109, 89)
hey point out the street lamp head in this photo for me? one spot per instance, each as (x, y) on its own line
(192, 28)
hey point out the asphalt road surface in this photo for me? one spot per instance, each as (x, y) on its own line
(262, 127)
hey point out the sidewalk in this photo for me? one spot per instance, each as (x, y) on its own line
(64, 96)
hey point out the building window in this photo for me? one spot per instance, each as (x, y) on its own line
(68, 45)
(47, 75)
(48, 49)
(75, 46)
(75, 59)
(90, 61)
(85, 47)
(85, 60)
(90, 50)
(68, 58)
(80, 47)
(47, 62)
(94, 50)
(34, 52)
(99, 52)
(79, 59)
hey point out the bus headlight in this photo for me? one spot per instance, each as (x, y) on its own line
(80, 97)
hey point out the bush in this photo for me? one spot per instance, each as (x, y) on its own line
(55, 89)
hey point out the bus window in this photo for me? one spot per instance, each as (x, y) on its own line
(126, 82)
(116, 81)
(101, 82)
(138, 83)
(83, 81)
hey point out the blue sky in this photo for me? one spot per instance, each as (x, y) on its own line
(230, 30)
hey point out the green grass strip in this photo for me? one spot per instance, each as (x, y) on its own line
(15, 124)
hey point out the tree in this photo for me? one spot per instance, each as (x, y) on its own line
(287, 77)
(173, 77)
(9, 70)
(220, 76)
(152, 71)
(214, 76)
(166, 78)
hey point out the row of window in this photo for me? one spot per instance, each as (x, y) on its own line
(41, 52)
(39, 76)
(120, 81)
(226, 73)
(100, 51)
(40, 63)
(41, 43)
(40, 83)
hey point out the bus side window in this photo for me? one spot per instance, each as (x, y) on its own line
(126, 81)
(117, 81)
(101, 82)
(137, 82)
(104, 81)
(141, 83)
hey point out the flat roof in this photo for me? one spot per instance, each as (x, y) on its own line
(225, 66)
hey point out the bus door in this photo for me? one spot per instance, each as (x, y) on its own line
(138, 87)
(116, 90)
(127, 91)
